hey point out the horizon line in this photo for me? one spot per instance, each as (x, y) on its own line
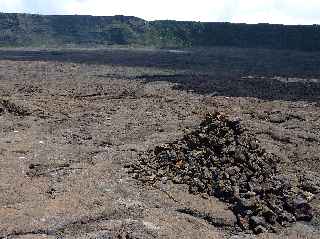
(120, 15)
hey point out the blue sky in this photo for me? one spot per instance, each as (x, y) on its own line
(249, 11)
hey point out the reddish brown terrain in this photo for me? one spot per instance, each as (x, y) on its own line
(72, 120)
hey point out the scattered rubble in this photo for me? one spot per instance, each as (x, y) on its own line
(37, 170)
(13, 108)
(223, 159)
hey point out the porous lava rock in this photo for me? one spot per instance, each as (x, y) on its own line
(222, 159)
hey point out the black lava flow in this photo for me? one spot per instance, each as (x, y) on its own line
(224, 160)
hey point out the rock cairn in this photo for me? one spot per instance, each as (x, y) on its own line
(222, 159)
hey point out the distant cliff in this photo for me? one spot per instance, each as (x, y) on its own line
(50, 31)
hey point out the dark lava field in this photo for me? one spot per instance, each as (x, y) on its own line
(143, 143)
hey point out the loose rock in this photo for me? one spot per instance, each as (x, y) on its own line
(223, 159)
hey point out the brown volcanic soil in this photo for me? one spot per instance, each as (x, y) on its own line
(72, 119)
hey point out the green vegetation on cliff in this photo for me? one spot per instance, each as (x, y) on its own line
(49, 31)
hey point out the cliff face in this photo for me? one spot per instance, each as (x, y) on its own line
(40, 30)
(239, 35)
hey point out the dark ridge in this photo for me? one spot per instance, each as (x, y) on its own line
(30, 30)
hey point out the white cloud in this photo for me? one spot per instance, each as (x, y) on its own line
(11, 6)
(278, 11)
(164, 9)
(250, 11)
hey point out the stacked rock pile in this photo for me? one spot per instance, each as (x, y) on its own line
(224, 160)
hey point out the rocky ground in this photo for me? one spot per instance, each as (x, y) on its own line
(72, 121)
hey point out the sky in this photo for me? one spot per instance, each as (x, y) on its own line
(244, 11)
